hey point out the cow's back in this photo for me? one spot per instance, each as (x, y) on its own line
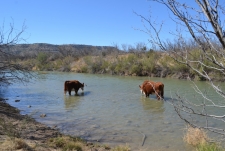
(143, 85)
(72, 85)
(147, 88)
(150, 87)
(76, 84)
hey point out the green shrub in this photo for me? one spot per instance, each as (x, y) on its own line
(42, 58)
(148, 64)
(119, 68)
(165, 61)
(136, 69)
(105, 64)
(84, 69)
(88, 60)
(209, 147)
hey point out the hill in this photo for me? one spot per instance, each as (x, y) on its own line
(31, 50)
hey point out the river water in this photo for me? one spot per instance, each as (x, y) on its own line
(110, 111)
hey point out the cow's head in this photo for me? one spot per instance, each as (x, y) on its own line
(141, 89)
(82, 87)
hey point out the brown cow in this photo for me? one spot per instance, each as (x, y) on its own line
(73, 84)
(150, 87)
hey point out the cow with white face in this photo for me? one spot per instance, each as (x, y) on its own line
(150, 87)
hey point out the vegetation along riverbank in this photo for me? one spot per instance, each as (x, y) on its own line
(131, 61)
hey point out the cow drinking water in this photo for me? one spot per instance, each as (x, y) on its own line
(73, 85)
(150, 87)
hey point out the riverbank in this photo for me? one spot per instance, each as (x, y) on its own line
(21, 132)
(151, 64)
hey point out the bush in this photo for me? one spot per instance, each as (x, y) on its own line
(195, 136)
(136, 69)
(42, 58)
(119, 68)
(88, 60)
(84, 69)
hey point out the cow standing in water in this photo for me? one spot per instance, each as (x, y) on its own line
(150, 87)
(73, 85)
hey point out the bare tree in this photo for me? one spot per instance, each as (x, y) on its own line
(11, 71)
(141, 47)
(124, 47)
(202, 19)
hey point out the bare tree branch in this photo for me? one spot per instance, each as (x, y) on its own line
(11, 71)
(206, 57)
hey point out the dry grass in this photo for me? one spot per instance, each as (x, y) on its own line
(122, 148)
(199, 139)
(66, 143)
(15, 144)
(195, 136)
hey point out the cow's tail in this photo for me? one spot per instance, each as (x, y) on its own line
(65, 87)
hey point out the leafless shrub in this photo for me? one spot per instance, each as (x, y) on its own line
(11, 72)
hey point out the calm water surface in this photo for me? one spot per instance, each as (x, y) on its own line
(110, 111)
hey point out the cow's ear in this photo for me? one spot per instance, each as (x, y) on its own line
(139, 86)
(83, 84)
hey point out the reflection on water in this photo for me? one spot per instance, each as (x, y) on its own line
(111, 110)
(152, 106)
(72, 101)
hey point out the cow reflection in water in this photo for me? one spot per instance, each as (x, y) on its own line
(150, 87)
(73, 85)
(152, 106)
(71, 101)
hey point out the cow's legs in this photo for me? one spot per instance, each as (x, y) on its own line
(76, 92)
(158, 95)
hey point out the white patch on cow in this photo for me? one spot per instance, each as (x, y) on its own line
(142, 92)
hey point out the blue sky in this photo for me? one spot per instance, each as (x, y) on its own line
(89, 22)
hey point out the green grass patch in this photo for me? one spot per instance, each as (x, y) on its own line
(209, 147)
